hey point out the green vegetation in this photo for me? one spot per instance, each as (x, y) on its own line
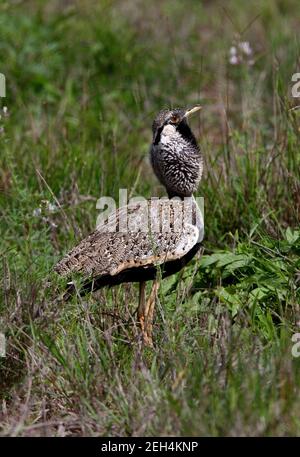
(84, 79)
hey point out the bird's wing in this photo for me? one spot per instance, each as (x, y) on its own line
(140, 234)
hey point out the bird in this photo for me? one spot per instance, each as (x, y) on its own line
(148, 240)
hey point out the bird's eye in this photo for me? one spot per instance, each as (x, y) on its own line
(175, 119)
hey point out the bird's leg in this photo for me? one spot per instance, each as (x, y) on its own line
(141, 308)
(146, 311)
(149, 313)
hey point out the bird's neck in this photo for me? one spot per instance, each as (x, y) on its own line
(185, 132)
(177, 161)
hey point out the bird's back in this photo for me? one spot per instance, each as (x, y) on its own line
(137, 237)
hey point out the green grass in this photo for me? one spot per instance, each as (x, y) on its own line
(84, 80)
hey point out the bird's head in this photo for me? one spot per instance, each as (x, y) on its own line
(172, 120)
(175, 155)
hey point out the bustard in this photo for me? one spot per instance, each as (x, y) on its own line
(161, 235)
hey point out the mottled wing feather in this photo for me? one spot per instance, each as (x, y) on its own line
(108, 251)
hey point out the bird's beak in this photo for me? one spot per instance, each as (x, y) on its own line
(192, 110)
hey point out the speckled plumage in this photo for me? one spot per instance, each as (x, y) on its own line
(170, 233)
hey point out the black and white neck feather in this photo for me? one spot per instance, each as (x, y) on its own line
(175, 155)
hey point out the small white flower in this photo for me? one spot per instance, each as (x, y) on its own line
(51, 207)
(234, 60)
(5, 110)
(37, 212)
(245, 47)
(233, 51)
